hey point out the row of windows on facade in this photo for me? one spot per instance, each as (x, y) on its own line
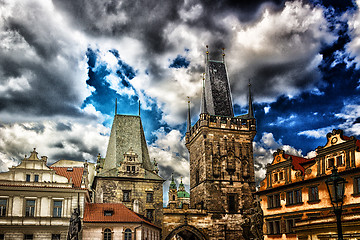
(108, 234)
(127, 196)
(274, 226)
(30, 208)
(31, 236)
(331, 163)
(222, 176)
(128, 234)
(295, 196)
(28, 178)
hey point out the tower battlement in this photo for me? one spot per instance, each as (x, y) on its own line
(220, 122)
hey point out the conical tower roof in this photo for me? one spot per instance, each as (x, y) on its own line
(126, 133)
(217, 90)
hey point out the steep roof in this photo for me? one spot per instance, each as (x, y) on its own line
(75, 173)
(126, 132)
(94, 212)
(217, 90)
(298, 162)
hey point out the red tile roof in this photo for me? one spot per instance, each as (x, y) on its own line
(76, 174)
(298, 161)
(94, 212)
(346, 138)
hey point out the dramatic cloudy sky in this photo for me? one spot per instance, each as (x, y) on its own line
(63, 63)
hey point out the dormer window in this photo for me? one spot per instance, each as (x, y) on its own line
(70, 169)
(331, 162)
(108, 212)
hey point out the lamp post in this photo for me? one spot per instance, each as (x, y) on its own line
(336, 187)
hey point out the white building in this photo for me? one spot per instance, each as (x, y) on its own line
(36, 201)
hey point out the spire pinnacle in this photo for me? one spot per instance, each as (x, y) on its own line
(207, 52)
(251, 110)
(115, 106)
(203, 99)
(139, 107)
(223, 55)
(189, 117)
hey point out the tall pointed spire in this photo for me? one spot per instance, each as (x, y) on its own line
(251, 110)
(139, 107)
(115, 106)
(189, 117)
(203, 99)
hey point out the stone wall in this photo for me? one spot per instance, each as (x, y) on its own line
(112, 192)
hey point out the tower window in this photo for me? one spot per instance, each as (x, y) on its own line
(149, 197)
(173, 197)
(150, 214)
(126, 196)
(232, 203)
(197, 177)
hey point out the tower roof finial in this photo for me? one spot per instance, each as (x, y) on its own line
(223, 54)
(250, 110)
(115, 106)
(188, 117)
(139, 107)
(207, 52)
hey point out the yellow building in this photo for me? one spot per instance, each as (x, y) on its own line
(295, 199)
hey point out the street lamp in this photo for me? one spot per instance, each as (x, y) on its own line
(336, 187)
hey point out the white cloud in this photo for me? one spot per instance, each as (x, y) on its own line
(263, 153)
(317, 133)
(353, 47)
(53, 139)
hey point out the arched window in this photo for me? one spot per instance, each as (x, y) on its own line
(127, 234)
(173, 197)
(107, 234)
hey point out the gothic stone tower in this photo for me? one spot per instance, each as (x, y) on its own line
(222, 180)
(127, 175)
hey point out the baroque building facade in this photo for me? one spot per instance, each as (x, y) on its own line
(222, 181)
(36, 200)
(295, 198)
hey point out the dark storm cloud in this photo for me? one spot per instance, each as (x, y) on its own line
(35, 65)
(38, 127)
(147, 19)
(63, 127)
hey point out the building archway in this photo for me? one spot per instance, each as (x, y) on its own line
(187, 232)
